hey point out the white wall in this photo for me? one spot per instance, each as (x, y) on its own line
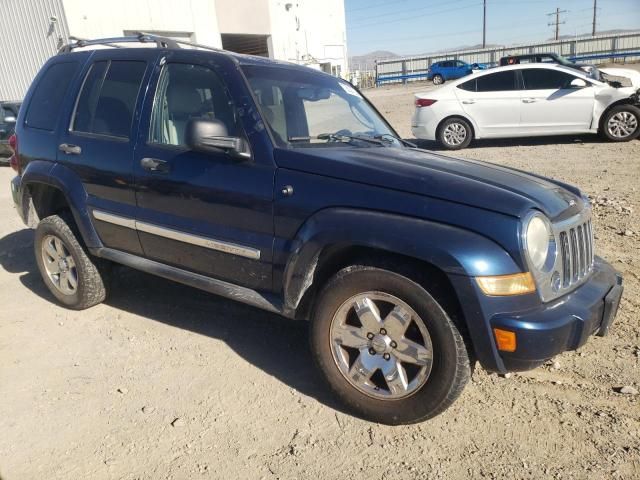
(243, 16)
(111, 18)
(309, 31)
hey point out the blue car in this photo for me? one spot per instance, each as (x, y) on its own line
(282, 187)
(450, 70)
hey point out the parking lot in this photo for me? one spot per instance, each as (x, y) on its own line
(163, 381)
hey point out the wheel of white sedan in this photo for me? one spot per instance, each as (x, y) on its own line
(621, 123)
(386, 347)
(438, 79)
(455, 133)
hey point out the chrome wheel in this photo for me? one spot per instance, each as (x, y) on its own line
(59, 265)
(437, 80)
(381, 346)
(455, 134)
(622, 124)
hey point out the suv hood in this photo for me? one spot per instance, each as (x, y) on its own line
(475, 183)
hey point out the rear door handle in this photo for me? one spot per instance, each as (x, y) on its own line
(154, 165)
(70, 149)
(528, 100)
(468, 102)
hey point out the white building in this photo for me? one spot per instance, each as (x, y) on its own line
(310, 32)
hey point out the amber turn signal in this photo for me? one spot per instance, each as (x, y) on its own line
(505, 340)
(505, 285)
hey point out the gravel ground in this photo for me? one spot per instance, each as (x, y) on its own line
(163, 381)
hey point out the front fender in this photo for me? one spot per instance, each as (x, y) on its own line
(451, 249)
(65, 180)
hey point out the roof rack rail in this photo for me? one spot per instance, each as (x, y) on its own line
(161, 42)
(139, 37)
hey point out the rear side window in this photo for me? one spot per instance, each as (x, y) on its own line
(48, 96)
(496, 82)
(545, 79)
(470, 86)
(108, 98)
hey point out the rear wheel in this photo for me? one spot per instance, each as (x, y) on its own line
(438, 79)
(386, 347)
(455, 133)
(621, 123)
(76, 279)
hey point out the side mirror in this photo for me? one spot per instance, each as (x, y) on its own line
(578, 83)
(208, 136)
(10, 119)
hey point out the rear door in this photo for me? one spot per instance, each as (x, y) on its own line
(97, 142)
(493, 103)
(551, 105)
(209, 213)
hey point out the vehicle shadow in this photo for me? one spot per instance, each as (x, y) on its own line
(272, 343)
(513, 142)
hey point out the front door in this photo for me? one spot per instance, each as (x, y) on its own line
(209, 213)
(551, 105)
(493, 102)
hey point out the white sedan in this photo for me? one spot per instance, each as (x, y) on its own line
(527, 100)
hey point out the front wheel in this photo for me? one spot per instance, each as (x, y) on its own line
(621, 123)
(386, 347)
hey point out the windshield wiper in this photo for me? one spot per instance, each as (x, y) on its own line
(382, 136)
(339, 137)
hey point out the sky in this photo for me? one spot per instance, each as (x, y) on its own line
(409, 27)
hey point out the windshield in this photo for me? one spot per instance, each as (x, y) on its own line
(309, 109)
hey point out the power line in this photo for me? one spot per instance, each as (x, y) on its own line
(415, 16)
(557, 22)
(400, 11)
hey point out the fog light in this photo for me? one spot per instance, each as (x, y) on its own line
(505, 340)
(504, 285)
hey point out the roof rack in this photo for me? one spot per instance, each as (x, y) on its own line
(140, 37)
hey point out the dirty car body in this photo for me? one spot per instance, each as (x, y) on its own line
(300, 185)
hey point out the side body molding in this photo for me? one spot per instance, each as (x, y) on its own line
(65, 180)
(453, 250)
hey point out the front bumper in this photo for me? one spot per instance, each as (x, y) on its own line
(544, 330)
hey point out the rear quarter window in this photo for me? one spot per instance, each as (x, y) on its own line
(49, 94)
(108, 98)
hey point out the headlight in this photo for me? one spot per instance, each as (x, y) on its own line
(537, 237)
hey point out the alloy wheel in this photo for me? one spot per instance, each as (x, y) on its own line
(381, 345)
(455, 134)
(622, 124)
(59, 265)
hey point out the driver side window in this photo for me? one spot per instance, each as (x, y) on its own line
(186, 92)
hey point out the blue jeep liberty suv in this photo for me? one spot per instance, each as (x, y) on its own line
(282, 187)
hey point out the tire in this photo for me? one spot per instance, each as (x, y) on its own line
(455, 133)
(438, 79)
(416, 398)
(621, 123)
(59, 252)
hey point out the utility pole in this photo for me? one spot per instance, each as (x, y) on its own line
(484, 24)
(595, 8)
(557, 23)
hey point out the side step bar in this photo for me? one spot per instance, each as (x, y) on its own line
(218, 287)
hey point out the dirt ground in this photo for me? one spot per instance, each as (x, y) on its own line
(163, 381)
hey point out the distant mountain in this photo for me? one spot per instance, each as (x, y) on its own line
(368, 60)
(603, 32)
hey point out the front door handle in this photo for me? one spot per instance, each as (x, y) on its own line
(154, 165)
(70, 149)
(468, 102)
(528, 100)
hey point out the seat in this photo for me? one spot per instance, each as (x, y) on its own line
(112, 117)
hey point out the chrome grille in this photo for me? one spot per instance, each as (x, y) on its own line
(576, 252)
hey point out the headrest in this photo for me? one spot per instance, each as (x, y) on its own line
(183, 100)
